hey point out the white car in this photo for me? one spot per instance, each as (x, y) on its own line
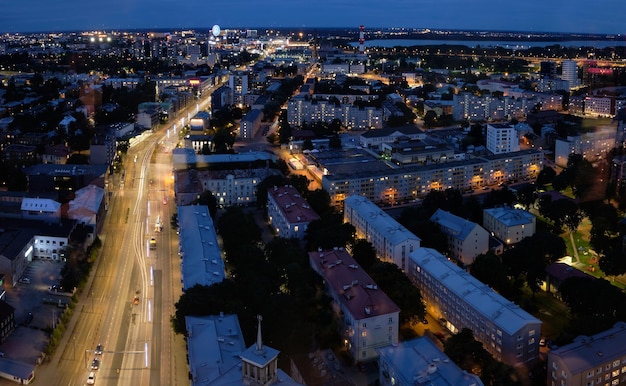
(91, 379)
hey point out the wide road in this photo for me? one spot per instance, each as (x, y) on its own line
(139, 345)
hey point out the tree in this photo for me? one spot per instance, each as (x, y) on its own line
(319, 200)
(224, 140)
(600, 234)
(545, 176)
(393, 282)
(237, 228)
(364, 253)
(499, 197)
(299, 182)
(328, 232)
(529, 257)
(467, 352)
(591, 296)
(334, 142)
(488, 268)
(526, 196)
(470, 355)
(565, 212)
(268, 183)
(613, 262)
(208, 199)
(430, 118)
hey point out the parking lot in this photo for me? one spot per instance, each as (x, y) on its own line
(29, 338)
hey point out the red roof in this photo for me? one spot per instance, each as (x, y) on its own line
(352, 285)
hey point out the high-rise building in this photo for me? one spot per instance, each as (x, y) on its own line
(570, 73)
(547, 69)
(502, 138)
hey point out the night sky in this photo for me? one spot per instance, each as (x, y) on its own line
(603, 16)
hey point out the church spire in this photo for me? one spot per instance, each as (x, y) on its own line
(259, 340)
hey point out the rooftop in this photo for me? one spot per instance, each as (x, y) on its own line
(354, 287)
(202, 259)
(293, 206)
(379, 219)
(505, 314)
(588, 352)
(510, 216)
(420, 362)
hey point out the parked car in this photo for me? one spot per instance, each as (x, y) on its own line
(25, 280)
(440, 336)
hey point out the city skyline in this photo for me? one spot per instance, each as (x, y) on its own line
(488, 15)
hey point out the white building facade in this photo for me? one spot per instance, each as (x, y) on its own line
(508, 224)
(507, 332)
(369, 317)
(391, 240)
(466, 239)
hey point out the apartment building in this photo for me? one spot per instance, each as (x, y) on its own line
(507, 332)
(391, 240)
(420, 362)
(250, 124)
(369, 317)
(201, 258)
(502, 138)
(381, 183)
(593, 145)
(599, 359)
(508, 224)
(466, 239)
(480, 108)
(375, 138)
(569, 73)
(288, 212)
(301, 109)
(232, 178)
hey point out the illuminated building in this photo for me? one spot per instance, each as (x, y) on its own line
(369, 318)
(391, 240)
(507, 332)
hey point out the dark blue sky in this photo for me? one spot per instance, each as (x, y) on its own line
(602, 16)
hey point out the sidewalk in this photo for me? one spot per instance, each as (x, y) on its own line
(49, 365)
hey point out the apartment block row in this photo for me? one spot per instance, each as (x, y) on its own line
(232, 178)
(470, 107)
(382, 183)
(507, 332)
(599, 359)
(200, 255)
(301, 109)
(391, 240)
